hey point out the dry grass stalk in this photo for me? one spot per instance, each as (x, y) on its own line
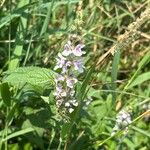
(123, 41)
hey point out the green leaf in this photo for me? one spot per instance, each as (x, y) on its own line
(5, 93)
(83, 91)
(56, 4)
(18, 133)
(129, 143)
(46, 99)
(11, 113)
(114, 73)
(140, 79)
(145, 60)
(19, 38)
(15, 14)
(85, 83)
(64, 131)
(107, 4)
(47, 19)
(145, 133)
(36, 76)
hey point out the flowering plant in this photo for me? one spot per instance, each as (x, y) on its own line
(123, 119)
(69, 62)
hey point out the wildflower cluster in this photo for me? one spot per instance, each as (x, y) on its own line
(123, 119)
(68, 63)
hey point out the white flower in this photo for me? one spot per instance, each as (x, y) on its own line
(68, 61)
(78, 65)
(60, 61)
(129, 120)
(59, 102)
(74, 103)
(77, 50)
(59, 78)
(60, 92)
(72, 92)
(123, 115)
(70, 110)
(67, 104)
(65, 67)
(71, 81)
(67, 49)
(63, 93)
(123, 119)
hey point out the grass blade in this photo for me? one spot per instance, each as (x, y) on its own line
(19, 39)
(114, 73)
(18, 133)
(140, 79)
(142, 63)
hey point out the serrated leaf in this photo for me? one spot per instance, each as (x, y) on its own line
(35, 76)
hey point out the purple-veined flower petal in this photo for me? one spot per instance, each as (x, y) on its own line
(59, 78)
(60, 61)
(64, 69)
(77, 50)
(60, 92)
(66, 52)
(67, 49)
(78, 65)
(71, 81)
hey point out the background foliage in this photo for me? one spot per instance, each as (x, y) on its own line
(117, 75)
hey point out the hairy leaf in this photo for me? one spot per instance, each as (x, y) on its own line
(35, 76)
